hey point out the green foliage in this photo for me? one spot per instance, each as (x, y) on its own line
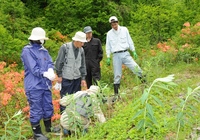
(148, 121)
(181, 117)
(14, 127)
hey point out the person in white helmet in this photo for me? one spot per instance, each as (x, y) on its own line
(118, 42)
(39, 75)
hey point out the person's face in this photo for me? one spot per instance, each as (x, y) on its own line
(89, 35)
(114, 25)
(78, 44)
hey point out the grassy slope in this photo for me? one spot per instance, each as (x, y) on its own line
(119, 124)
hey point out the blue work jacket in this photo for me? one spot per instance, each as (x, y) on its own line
(36, 61)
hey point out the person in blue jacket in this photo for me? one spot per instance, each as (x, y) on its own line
(38, 78)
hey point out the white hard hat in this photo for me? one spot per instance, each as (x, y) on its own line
(38, 34)
(113, 19)
(80, 36)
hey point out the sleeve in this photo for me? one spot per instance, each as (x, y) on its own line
(83, 65)
(130, 41)
(60, 60)
(108, 47)
(50, 63)
(30, 63)
(100, 51)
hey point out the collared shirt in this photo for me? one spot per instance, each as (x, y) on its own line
(118, 40)
(76, 50)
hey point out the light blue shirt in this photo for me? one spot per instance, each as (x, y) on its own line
(118, 40)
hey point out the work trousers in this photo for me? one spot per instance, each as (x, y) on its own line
(126, 59)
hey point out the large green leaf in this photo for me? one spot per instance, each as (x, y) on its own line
(138, 113)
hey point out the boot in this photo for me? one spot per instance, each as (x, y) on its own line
(38, 133)
(116, 92)
(116, 89)
(47, 124)
(143, 79)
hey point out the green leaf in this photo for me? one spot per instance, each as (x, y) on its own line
(180, 116)
(138, 113)
(152, 118)
(149, 109)
(157, 100)
(189, 91)
(140, 124)
(163, 87)
(10, 132)
(144, 96)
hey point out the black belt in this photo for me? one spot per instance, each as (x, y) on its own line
(120, 51)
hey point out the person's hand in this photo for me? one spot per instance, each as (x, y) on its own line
(135, 55)
(83, 83)
(57, 86)
(108, 61)
(52, 75)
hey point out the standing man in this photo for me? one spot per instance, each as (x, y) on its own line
(70, 66)
(93, 55)
(118, 41)
(39, 73)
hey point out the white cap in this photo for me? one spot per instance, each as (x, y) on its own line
(80, 36)
(38, 34)
(113, 19)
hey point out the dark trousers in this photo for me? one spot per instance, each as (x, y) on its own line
(69, 87)
(93, 72)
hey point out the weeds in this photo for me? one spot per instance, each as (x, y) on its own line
(13, 127)
(148, 118)
(180, 116)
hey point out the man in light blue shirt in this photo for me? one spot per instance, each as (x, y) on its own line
(118, 41)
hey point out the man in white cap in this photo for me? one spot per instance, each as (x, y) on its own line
(93, 55)
(70, 66)
(118, 41)
(39, 73)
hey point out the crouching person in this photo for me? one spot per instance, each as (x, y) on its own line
(80, 107)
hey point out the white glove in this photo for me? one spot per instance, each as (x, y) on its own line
(52, 75)
(57, 86)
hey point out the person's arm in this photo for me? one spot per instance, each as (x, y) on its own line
(30, 63)
(60, 60)
(100, 51)
(108, 47)
(83, 65)
(130, 41)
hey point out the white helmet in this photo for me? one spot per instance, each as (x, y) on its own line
(113, 19)
(38, 34)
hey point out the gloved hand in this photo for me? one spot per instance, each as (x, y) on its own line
(108, 61)
(135, 55)
(57, 86)
(52, 75)
(49, 74)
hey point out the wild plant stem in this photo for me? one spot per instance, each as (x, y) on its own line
(182, 109)
(145, 111)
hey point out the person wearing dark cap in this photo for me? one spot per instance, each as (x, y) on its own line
(118, 41)
(93, 55)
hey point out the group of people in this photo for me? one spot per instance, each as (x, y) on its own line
(77, 64)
